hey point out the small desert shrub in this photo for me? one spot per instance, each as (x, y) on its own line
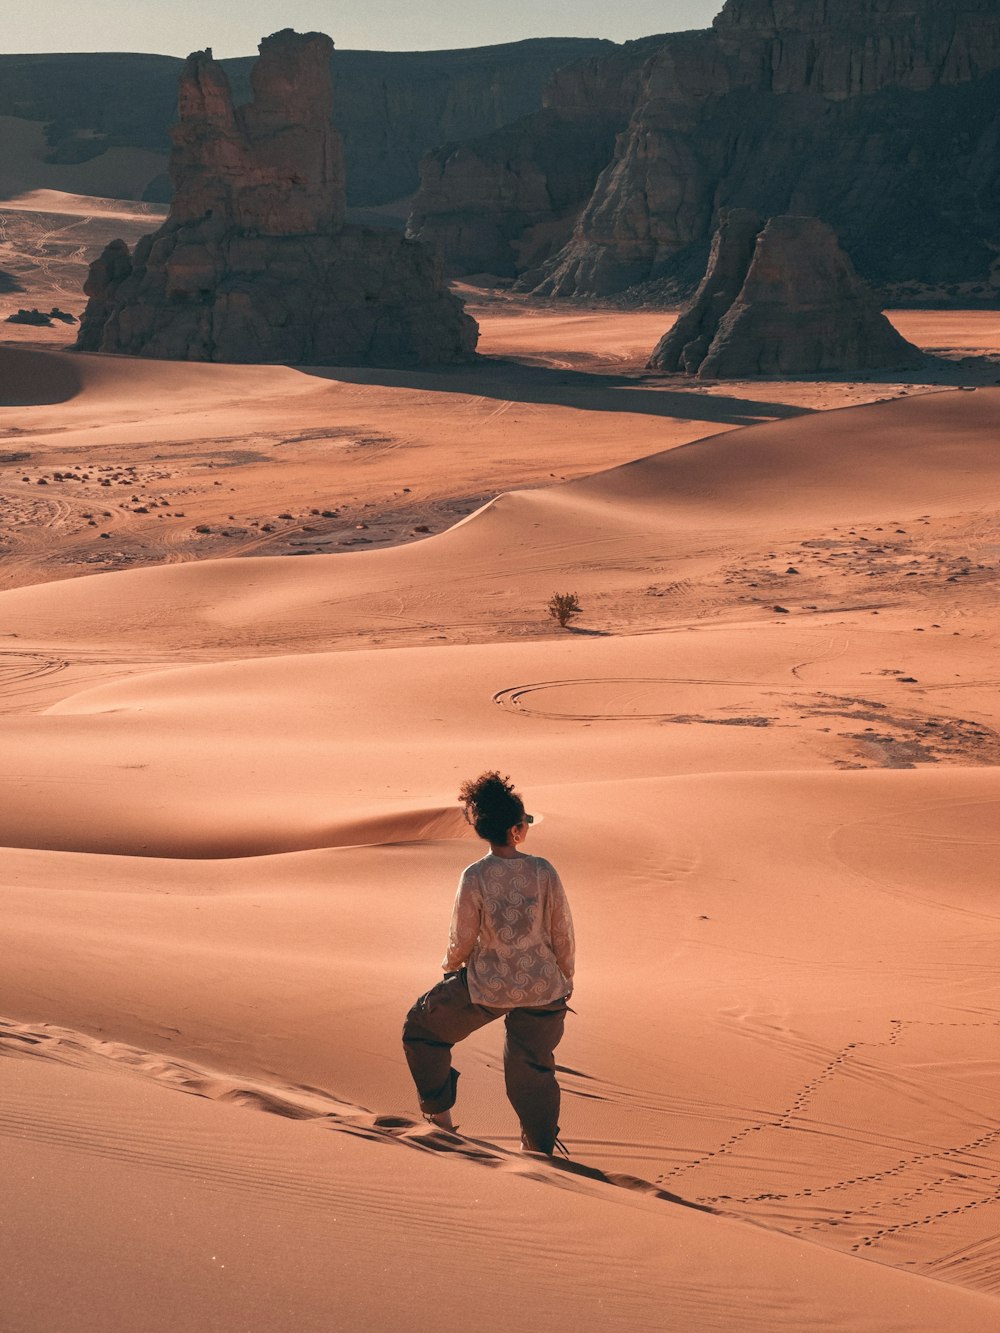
(563, 606)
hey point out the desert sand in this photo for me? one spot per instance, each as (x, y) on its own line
(764, 761)
(116, 173)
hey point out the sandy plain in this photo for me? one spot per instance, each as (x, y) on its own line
(256, 625)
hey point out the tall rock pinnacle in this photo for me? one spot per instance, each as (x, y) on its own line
(273, 166)
(256, 261)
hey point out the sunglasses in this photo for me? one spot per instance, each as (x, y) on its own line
(528, 819)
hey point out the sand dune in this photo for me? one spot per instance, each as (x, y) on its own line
(702, 512)
(177, 462)
(48, 239)
(172, 463)
(84, 206)
(93, 384)
(766, 761)
(117, 173)
(316, 1204)
(756, 1087)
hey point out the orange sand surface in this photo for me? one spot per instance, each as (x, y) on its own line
(764, 761)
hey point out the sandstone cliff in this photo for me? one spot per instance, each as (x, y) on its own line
(880, 116)
(395, 106)
(780, 299)
(255, 262)
(505, 201)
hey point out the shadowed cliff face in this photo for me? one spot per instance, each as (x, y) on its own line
(255, 262)
(882, 117)
(879, 116)
(846, 48)
(393, 107)
(506, 201)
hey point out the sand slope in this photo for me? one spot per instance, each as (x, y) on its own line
(281, 1212)
(765, 762)
(117, 173)
(706, 512)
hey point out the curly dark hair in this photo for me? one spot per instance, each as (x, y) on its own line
(492, 806)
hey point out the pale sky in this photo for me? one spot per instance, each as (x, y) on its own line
(234, 27)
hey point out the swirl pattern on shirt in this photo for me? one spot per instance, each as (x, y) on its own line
(513, 930)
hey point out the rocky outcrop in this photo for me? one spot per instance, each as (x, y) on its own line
(880, 116)
(848, 48)
(105, 280)
(780, 299)
(504, 202)
(255, 262)
(685, 346)
(392, 106)
(274, 166)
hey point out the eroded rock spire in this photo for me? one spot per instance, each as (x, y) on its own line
(275, 165)
(780, 299)
(255, 261)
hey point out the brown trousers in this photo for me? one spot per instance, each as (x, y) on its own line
(446, 1014)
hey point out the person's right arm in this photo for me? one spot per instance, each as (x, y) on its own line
(561, 932)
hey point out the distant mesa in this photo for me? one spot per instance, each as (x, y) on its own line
(255, 262)
(780, 298)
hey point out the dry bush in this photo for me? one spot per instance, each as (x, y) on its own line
(563, 606)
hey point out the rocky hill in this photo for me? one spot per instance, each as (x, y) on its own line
(392, 107)
(256, 261)
(881, 117)
(780, 298)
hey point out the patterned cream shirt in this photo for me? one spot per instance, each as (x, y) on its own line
(512, 928)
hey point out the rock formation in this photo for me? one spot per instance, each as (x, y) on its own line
(504, 202)
(780, 299)
(880, 116)
(395, 106)
(274, 166)
(255, 262)
(392, 106)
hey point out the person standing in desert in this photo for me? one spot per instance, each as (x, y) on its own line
(511, 954)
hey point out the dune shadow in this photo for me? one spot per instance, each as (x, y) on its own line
(621, 1180)
(516, 381)
(8, 283)
(35, 379)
